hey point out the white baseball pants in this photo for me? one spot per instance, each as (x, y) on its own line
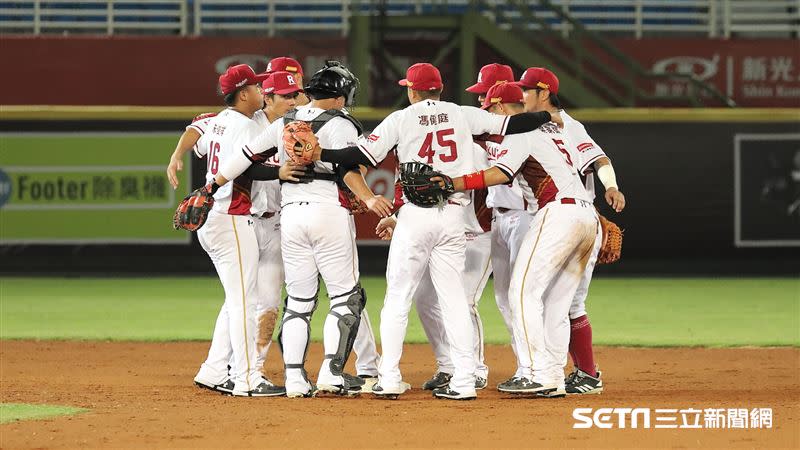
(316, 240)
(431, 238)
(478, 268)
(231, 243)
(547, 272)
(508, 231)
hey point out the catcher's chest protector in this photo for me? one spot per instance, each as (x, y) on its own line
(318, 122)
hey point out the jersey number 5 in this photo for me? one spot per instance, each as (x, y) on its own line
(428, 152)
(560, 144)
(213, 157)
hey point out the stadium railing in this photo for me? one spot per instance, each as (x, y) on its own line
(637, 18)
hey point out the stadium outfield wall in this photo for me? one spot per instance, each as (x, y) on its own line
(181, 71)
(709, 191)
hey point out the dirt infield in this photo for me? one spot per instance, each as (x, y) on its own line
(141, 395)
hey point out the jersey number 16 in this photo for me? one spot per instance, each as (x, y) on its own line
(213, 157)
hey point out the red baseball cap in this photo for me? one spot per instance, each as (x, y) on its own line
(282, 83)
(503, 93)
(490, 75)
(422, 77)
(539, 77)
(238, 76)
(285, 64)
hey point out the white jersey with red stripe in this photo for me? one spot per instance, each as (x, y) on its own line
(543, 166)
(583, 149)
(503, 195)
(471, 221)
(336, 133)
(221, 140)
(436, 133)
(265, 196)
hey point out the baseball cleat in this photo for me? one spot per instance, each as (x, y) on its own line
(481, 383)
(525, 386)
(508, 383)
(369, 381)
(440, 379)
(226, 388)
(311, 392)
(554, 393)
(392, 394)
(446, 392)
(296, 394)
(580, 382)
(264, 389)
(340, 390)
(353, 380)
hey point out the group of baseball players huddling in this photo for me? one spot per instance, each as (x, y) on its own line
(285, 175)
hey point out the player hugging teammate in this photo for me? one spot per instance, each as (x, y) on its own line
(545, 239)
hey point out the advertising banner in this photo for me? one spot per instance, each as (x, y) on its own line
(87, 189)
(152, 71)
(754, 72)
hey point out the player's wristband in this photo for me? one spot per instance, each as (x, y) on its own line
(607, 176)
(474, 181)
(213, 188)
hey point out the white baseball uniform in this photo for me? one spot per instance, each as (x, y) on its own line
(265, 197)
(440, 134)
(477, 269)
(554, 252)
(510, 222)
(317, 239)
(585, 151)
(229, 238)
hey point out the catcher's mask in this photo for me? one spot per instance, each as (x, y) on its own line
(333, 80)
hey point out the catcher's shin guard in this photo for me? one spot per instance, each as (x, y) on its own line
(349, 306)
(301, 309)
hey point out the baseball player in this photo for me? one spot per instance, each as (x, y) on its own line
(440, 134)
(540, 87)
(282, 92)
(265, 200)
(476, 274)
(229, 237)
(287, 64)
(317, 235)
(555, 250)
(364, 346)
(510, 218)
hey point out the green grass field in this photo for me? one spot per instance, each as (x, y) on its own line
(11, 412)
(624, 311)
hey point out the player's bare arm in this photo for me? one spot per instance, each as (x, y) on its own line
(185, 144)
(478, 180)
(605, 172)
(378, 204)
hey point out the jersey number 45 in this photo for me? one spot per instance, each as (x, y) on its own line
(445, 144)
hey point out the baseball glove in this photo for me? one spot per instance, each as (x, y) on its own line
(611, 249)
(299, 142)
(351, 201)
(193, 210)
(415, 178)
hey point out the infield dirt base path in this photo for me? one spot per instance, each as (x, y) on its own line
(141, 395)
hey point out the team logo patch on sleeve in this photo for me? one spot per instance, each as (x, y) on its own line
(373, 137)
(585, 146)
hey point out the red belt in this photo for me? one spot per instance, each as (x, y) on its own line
(572, 201)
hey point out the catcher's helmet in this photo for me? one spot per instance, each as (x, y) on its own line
(333, 80)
